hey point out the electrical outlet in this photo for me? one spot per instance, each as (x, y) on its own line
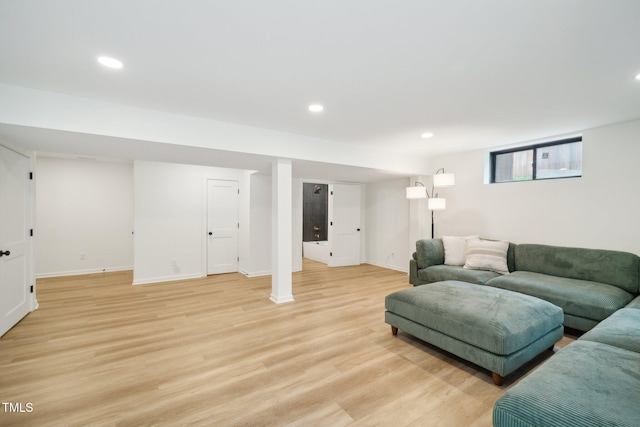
(174, 263)
(83, 257)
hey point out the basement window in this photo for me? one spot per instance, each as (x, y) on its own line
(549, 160)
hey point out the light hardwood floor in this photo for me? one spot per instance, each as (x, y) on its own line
(217, 352)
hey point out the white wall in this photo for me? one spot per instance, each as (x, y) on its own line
(260, 240)
(599, 210)
(419, 215)
(387, 219)
(259, 262)
(84, 216)
(170, 219)
(87, 207)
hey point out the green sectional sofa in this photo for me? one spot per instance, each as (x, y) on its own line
(594, 381)
(588, 284)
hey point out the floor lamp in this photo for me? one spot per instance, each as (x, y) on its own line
(434, 203)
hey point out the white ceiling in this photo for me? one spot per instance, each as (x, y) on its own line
(477, 74)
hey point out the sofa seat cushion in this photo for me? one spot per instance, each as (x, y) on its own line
(584, 384)
(495, 320)
(621, 329)
(581, 298)
(438, 273)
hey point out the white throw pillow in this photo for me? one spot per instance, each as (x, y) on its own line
(487, 255)
(455, 248)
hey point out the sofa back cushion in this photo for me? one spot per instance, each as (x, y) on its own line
(455, 249)
(616, 268)
(431, 252)
(487, 255)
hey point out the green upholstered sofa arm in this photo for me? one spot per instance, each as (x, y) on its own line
(413, 271)
(429, 252)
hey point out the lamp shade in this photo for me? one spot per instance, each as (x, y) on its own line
(444, 180)
(416, 192)
(437, 204)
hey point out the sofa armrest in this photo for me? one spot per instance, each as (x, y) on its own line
(429, 252)
(413, 272)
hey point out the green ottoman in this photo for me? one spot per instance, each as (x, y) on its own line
(494, 328)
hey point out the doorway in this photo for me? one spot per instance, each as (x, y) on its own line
(331, 223)
(222, 226)
(315, 214)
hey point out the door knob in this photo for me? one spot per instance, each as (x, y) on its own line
(210, 233)
(7, 253)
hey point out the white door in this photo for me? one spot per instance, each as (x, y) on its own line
(344, 225)
(15, 214)
(222, 226)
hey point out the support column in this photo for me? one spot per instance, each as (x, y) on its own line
(281, 234)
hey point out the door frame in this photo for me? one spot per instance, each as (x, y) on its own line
(30, 221)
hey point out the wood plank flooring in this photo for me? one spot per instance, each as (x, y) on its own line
(217, 352)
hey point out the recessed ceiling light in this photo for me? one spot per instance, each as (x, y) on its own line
(638, 77)
(427, 135)
(110, 62)
(316, 108)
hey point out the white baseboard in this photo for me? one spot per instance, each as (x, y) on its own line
(266, 272)
(79, 272)
(390, 267)
(256, 273)
(281, 300)
(167, 279)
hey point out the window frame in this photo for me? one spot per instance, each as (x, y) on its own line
(535, 148)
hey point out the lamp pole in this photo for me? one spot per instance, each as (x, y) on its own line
(432, 226)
